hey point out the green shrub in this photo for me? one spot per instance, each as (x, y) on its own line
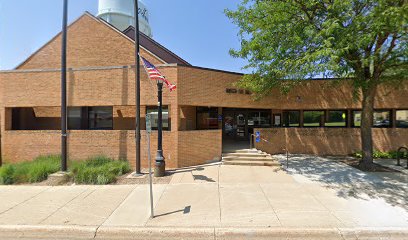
(98, 170)
(384, 155)
(32, 171)
(7, 174)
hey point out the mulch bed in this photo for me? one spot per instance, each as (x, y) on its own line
(375, 168)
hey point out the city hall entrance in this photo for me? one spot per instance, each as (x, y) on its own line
(238, 125)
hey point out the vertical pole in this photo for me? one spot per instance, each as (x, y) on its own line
(137, 77)
(64, 89)
(160, 165)
(150, 176)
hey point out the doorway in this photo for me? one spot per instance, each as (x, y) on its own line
(239, 124)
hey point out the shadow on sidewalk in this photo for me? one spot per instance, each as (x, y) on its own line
(348, 181)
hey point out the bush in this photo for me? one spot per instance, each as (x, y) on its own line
(6, 174)
(98, 170)
(33, 171)
(385, 155)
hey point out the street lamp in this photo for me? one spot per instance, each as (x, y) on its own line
(160, 165)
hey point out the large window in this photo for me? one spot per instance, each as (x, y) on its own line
(381, 118)
(313, 118)
(401, 119)
(207, 118)
(154, 116)
(90, 118)
(291, 118)
(259, 119)
(336, 118)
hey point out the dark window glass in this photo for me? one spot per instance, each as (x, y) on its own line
(336, 119)
(154, 116)
(356, 120)
(313, 118)
(207, 118)
(401, 119)
(259, 119)
(291, 118)
(382, 118)
(90, 118)
(100, 118)
(75, 118)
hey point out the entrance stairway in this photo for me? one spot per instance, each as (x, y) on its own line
(249, 157)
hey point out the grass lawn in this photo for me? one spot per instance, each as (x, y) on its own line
(96, 170)
(30, 171)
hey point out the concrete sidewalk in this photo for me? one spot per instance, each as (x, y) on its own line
(315, 199)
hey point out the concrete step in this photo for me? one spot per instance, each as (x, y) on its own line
(253, 163)
(246, 155)
(252, 150)
(235, 158)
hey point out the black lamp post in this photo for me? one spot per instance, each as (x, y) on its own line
(160, 165)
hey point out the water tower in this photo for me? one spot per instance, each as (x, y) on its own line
(120, 14)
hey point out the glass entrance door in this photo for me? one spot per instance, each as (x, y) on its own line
(235, 125)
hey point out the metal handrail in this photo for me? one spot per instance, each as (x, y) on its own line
(399, 155)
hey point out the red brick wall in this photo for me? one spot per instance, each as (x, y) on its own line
(90, 42)
(200, 87)
(199, 147)
(328, 141)
(26, 145)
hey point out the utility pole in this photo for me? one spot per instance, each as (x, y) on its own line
(64, 89)
(137, 93)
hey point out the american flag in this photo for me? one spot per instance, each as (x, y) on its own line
(155, 74)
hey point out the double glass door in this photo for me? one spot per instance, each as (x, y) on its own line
(235, 125)
(240, 123)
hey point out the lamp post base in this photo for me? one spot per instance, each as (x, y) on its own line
(160, 169)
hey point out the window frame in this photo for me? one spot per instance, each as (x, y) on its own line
(209, 108)
(168, 128)
(395, 117)
(284, 120)
(390, 117)
(313, 110)
(326, 117)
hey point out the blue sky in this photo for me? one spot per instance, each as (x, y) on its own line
(196, 30)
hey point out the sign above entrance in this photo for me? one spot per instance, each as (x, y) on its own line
(237, 91)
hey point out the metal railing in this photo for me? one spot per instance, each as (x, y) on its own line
(400, 154)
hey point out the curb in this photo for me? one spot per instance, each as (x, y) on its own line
(177, 233)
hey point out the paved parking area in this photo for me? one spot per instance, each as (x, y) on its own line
(313, 193)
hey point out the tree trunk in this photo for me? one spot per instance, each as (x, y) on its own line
(366, 127)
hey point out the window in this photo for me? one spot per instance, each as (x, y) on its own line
(313, 118)
(100, 118)
(356, 119)
(336, 118)
(154, 116)
(207, 118)
(259, 119)
(291, 118)
(401, 119)
(382, 118)
(90, 118)
(76, 118)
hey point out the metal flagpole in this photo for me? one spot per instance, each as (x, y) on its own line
(64, 89)
(137, 77)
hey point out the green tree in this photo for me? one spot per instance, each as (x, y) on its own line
(363, 42)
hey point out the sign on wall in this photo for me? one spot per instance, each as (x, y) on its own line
(257, 136)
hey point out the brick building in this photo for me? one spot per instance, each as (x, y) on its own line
(205, 116)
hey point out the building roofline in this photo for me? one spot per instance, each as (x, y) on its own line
(181, 60)
(86, 13)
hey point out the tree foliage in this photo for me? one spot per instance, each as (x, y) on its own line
(287, 41)
(300, 39)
